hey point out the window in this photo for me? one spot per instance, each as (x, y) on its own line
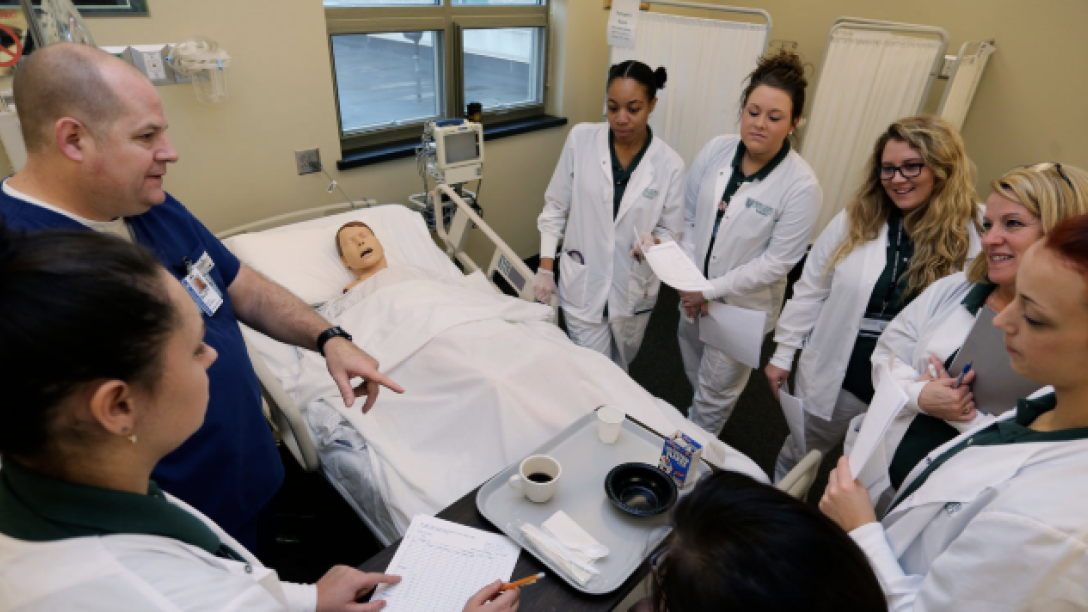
(400, 63)
(95, 8)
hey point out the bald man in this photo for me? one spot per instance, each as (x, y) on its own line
(97, 153)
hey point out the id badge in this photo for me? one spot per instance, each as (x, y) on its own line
(873, 326)
(202, 288)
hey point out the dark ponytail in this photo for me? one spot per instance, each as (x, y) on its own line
(784, 71)
(651, 80)
(77, 307)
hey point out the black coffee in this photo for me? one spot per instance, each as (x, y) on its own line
(540, 477)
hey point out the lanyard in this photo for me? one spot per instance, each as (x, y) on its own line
(895, 269)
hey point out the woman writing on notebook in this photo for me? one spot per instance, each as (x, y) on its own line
(996, 518)
(913, 221)
(1026, 203)
(106, 371)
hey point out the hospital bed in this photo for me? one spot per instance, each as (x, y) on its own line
(298, 251)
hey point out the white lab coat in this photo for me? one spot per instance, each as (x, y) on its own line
(995, 528)
(578, 210)
(825, 312)
(763, 233)
(139, 573)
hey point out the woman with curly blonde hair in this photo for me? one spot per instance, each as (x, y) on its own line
(920, 344)
(914, 220)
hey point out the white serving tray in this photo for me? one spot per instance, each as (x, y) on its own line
(586, 461)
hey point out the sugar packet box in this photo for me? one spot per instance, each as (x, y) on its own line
(680, 459)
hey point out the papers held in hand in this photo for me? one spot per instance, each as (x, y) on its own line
(996, 386)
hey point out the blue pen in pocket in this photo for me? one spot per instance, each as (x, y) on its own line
(966, 369)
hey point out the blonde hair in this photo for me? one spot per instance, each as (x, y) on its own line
(938, 228)
(1050, 191)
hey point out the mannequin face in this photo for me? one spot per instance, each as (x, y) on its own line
(360, 250)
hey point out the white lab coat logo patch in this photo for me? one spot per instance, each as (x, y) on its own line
(760, 207)
(649, 194)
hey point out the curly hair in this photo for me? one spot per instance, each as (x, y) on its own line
(940, 227)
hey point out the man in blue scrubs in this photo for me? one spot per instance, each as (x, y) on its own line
(97, 154)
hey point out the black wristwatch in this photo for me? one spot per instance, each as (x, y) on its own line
(329, 334)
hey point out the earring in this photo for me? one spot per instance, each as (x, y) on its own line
(132, 438)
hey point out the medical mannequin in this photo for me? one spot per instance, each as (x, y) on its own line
(360, 250)
(750, 207)
(82, 525)
(613, 180)
(913, 221)
(1026, 203)
(737, 544)
(996, 519)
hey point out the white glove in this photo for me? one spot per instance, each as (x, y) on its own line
(645, 243)
(544, 286)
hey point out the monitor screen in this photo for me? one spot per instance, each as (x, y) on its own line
(461, 147)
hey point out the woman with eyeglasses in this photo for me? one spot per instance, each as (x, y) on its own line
(914, 220)
(997, 519)
(738, 544)
(922, 341)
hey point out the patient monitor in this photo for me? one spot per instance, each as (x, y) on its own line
(454, 150)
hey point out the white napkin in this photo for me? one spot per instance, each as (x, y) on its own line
(563, 528)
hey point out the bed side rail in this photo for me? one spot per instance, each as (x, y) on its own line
(504, 260)
(285, 414)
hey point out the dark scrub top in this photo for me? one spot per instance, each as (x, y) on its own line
(1012, 431)
(620, 176)
(230, 468)
(926, 433)
(38, 508)
(887, 299)
(736, 178)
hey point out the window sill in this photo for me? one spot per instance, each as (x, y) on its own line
(365, 156)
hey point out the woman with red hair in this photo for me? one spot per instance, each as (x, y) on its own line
(997, 519)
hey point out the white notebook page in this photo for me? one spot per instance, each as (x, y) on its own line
(442, 564)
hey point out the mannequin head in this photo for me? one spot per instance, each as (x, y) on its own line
(360, 250)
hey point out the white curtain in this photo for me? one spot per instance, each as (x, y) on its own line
(707, 61)
(869, 80)
(963, 83)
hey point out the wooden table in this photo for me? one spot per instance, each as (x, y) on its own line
(550, 594)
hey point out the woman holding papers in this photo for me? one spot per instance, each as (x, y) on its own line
(616, 186)
(921, 342)
(913, 221)
(750, 206)
(996, 518)
(81, 525)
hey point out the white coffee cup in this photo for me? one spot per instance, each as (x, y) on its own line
(531, 474)
(609, 423)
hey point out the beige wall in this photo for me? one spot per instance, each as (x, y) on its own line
(1030, 105)
(237, 162)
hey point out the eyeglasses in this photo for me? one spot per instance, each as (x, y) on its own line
(1045, 165)
(655, 561)
(908, 171)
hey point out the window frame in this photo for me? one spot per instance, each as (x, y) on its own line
(449, 23)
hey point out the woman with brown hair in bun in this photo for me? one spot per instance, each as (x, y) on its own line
(751, 203)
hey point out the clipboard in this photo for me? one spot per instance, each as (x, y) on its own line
(996, 386)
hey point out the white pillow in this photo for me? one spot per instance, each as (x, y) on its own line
(302, 256)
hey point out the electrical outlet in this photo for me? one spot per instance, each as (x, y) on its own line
(308, 161)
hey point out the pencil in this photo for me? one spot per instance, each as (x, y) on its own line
(520, 583)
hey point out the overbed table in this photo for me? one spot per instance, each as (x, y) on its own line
(550, 594)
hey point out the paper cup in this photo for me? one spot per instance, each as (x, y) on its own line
(609, 423)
